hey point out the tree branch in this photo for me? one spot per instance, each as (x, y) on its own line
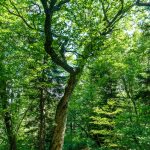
(116, 18)
(138, 3)
(49, 38)
(20, 16)
(104, 12)
(118, 13)
(76, 53)
(23, 117)
(59, 5)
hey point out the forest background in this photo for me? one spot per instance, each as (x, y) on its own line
(74, 75)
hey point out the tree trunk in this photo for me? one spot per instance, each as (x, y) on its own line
(9, 130)
(61, 115)
(42, 121)
(7, 117)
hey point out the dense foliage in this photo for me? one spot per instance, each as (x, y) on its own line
(93, 68)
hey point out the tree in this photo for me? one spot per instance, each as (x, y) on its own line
(75, 73)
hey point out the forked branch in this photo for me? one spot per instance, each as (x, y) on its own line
(49, 10)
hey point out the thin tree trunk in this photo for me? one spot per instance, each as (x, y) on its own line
(71, 134)
(42, 100)
(7, 117)
(61, 115)
(9, 130)
(42, 121)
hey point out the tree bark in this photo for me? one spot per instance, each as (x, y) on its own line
(61, 115)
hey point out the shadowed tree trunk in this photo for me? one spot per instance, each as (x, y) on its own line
(42, 99)
(5, 106)
(7, 117)
(11, 136)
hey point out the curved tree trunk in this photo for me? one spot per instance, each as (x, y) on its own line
(62, 107)
(61, 115)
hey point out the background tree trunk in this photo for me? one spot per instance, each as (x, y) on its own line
(7, 116)
(42, 121)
